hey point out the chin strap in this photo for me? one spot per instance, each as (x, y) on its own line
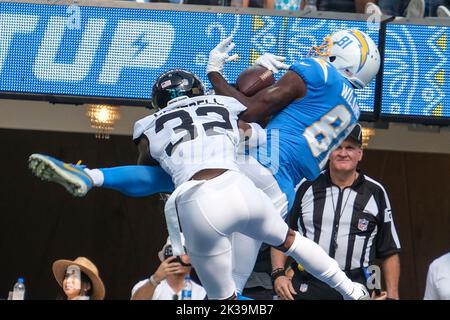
(175, 100)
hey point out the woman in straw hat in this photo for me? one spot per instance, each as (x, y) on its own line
(79, 279)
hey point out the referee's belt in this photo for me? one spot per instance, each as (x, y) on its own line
(352, 274)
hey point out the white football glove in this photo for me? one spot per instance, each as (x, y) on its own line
(272, 62)
(219, 55)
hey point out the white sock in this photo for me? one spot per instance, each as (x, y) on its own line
(96, 176)
(316, 261)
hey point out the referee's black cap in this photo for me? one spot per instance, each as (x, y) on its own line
(356, 134)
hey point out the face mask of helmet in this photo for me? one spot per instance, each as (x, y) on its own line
(174, 84)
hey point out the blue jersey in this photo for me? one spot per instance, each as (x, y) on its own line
(301, 136)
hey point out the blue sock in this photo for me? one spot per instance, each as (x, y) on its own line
(137, 181)
(241, 297)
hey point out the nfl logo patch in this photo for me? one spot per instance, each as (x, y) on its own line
(362, 224)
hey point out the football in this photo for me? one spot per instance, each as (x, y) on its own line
(254, 79)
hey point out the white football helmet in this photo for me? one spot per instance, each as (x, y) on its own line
(353, 53)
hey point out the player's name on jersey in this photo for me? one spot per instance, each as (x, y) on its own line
(213, 101)
(349, 95)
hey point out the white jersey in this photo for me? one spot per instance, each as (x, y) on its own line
(193, 134)
(438, 279)
(165, 292)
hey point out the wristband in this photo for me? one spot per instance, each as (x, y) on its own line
(153, 281)
(277, 273)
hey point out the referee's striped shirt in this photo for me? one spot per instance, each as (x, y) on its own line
(354, 225)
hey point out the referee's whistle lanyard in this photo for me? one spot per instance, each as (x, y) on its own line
(338, 210)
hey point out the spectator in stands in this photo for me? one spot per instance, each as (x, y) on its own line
(407, 8)
(79, 279)
(168, 280)
(410, 8)
(292, 5)
(342, 5)
(209, 2)
(438, 279)
(251, 3)
(269, 4)
(197, 2)
(443, 11)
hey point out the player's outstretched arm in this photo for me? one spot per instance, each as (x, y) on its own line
(266, 102)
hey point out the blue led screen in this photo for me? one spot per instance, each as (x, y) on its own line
(118, 52)
(416, 72)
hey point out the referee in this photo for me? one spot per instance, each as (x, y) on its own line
(349, 215)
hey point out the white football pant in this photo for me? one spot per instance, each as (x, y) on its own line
(246, 249)
(211, 212)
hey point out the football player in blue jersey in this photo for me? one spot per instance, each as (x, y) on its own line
(313, 107)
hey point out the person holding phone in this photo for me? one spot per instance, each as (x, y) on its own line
(167, 281)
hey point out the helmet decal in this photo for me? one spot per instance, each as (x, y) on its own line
(362, 42)
(173, 84)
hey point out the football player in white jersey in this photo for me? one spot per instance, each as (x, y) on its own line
(195, 140)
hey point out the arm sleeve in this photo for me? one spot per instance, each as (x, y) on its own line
(388, 242)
